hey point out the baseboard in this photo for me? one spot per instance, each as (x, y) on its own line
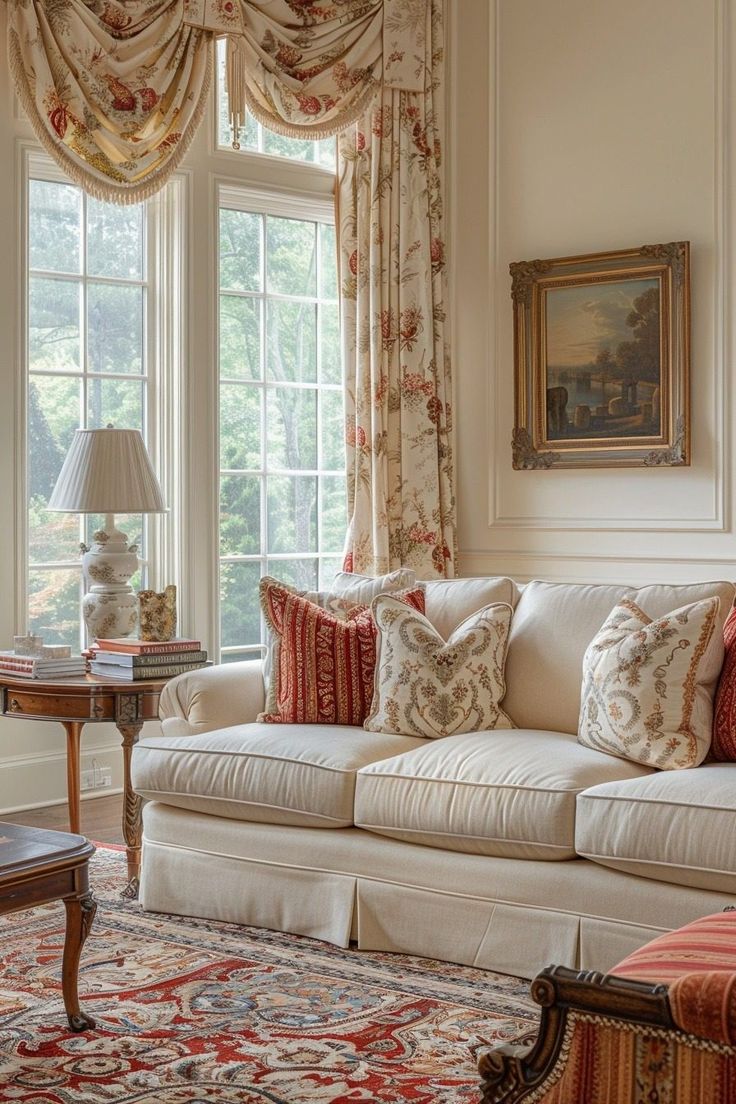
(88, 796)
(38, 780)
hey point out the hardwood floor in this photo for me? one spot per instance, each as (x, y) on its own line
(101, 818)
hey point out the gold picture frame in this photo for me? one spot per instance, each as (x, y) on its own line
(602, 359)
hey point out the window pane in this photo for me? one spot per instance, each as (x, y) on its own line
(114, 402)
(241, 655)
(329, 344)
(53, 325)
(278, 145)
(301, 574)
(240, 251)
(240, 337)
(240, 426)
(291, 421)
(54, 605)
(292, 513)
(114, 240)
(240, 611)
(53, 415)
(291, 352)
(114, 328)
(328, 569)
(333, 513)
(240, 515)
(290, 257)
(54, 214)
(333, 431)
(328, 257)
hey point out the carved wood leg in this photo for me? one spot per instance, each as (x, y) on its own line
(80, 912)
(73, 742)
(132, 806)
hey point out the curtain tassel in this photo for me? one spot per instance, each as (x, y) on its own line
(235, 82)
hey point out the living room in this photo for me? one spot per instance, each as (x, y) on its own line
(570, 130)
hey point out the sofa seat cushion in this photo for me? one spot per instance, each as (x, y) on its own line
(278, 774)
(673, 826)
(508, 792)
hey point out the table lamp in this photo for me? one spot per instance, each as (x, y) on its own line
(108, 471)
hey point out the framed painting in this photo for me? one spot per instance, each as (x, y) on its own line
(602, 359)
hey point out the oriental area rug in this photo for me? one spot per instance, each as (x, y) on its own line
(194, 1011)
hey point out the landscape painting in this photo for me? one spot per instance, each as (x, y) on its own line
(603, 362)
(602, 359)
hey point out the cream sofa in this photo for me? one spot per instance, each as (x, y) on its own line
(505, 850)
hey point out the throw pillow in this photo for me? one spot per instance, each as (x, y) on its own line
(346, 591)
(648, 685)
(326, 663)
(724, 713)
(429, 686)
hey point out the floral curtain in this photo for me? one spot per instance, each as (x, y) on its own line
(392, 258)
(114, 89)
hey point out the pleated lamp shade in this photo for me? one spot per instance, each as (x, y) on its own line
(107, 471)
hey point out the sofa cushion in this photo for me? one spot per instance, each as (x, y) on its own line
(346, 591)
(723, 746)
(280, 774)
(507, 792)
(553, 625)
(648, 685)
(450, 601)
(326, 664)
(673, 826)
(428, 686)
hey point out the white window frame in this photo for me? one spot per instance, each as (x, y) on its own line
(165, 349)
(307, 208)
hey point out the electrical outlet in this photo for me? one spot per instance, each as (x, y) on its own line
(95, 776)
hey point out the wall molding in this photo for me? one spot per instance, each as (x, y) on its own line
(566, 567)
(718, 517)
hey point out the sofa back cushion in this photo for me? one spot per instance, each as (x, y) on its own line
(552, 626)
(450, 601)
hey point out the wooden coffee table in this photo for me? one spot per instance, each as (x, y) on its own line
(87, 699)
(36, 867)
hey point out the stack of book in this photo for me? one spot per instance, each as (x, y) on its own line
(41, 666)
(129, 658)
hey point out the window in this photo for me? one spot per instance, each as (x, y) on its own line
(88, 300)
(258, 139)
(282, 459)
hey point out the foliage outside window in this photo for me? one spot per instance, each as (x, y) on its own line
(87, 367)
(282, 459)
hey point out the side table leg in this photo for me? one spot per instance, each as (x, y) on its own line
(73, 740)
(132, 806)
(80, 912)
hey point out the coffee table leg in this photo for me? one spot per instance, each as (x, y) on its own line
(80, 912)
(132, 807)
(73, 739)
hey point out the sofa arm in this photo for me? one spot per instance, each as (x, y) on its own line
(212, 697)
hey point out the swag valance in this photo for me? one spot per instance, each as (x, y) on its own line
(115, 89)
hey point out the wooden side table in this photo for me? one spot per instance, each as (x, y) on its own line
(36, 867)
(88, 699)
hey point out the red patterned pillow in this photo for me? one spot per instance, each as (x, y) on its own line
(723, 746)
(325, 664)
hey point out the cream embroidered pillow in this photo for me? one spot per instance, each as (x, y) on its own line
(648, 685)
(426, 686)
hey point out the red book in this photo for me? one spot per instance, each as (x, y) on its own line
(133, 646)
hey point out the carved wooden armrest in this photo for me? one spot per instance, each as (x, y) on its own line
(511, 1071)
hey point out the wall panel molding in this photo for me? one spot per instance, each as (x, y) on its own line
(715, 501)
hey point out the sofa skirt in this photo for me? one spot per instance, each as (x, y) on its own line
(345, 884)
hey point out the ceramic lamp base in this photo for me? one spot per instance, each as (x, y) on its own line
(110, 606)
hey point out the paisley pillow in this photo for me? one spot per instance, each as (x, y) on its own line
(428, 686)
(648, 685)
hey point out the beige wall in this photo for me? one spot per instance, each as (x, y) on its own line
(579, 126)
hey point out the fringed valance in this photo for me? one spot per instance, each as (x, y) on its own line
(115, 89)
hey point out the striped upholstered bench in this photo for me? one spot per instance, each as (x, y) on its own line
(660, 1027)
